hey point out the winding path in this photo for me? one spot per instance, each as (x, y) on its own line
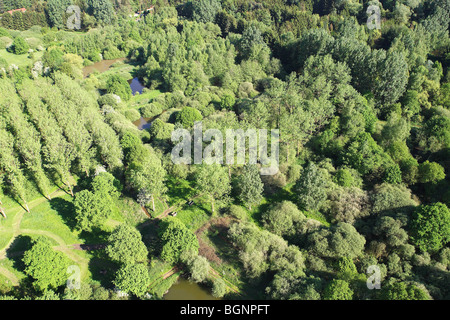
(62, 246)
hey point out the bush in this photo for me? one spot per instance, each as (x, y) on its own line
(110, 100)
(187, 116)
(219, 288)
(118, 85)
(151, 110)
(19, 46)
(237, 212)
(4, 33)
(132, 114)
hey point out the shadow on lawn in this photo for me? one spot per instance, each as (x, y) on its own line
(17, 249)
(66, 210)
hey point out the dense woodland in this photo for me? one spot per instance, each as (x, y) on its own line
(364, 124)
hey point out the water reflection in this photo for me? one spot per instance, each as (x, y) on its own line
(136, 86)
(185, 290)
(143, 123)
(100, 66)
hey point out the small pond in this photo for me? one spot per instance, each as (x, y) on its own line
(185, 290)
(100, 66)
(143, 123)
(136, 86)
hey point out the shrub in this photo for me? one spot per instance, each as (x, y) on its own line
(151, 110)
(187, 116)
(19, 46)
(132, 114)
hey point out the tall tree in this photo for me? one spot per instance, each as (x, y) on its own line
(27, 139)
(213, 181)
(250, 185)
(11, 166)
(176, 238)
(133, 278)
(46, 266)
(126, 246)
(102, 10)
(430, 227)
(145, 172)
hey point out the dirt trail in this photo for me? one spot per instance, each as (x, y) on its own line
(62, 246)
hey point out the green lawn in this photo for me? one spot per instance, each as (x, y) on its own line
(145, 97)
(55, 216)
(19, 60)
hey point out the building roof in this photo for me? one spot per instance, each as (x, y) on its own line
(21, 9)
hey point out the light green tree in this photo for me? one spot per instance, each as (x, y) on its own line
(125, 245)
(46, 266)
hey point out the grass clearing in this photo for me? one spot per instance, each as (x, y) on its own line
(21, 60)
(53, 216)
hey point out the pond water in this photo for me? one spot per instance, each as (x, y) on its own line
(185, 290)
(100, 66)
(143, 123)
(136, 86)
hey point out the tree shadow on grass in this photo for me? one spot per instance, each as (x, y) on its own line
(103, 269)
(66, 210)
(17, 249)
(96, 236)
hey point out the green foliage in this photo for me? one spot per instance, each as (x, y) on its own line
(198, 267)
(250, 186)
(393, 174)
(261, 251)
(106, 185)
(403, 291)
(19, 46)
(47, 267)
(84, 292)
(91, 209)
(430, 227)
(213, 180)
(346, 269)
(284, 219)
(187, 116)
(312, 187)
(431, 172)
(219, 288)
(102, 10)
(151, 110)
(349, 204)
(56, 10)
(338, 290)
(344, 178)
(341, 240)
(119, 86)
(388, 197)
(227, 102)
(133, 278)
(126, 246)
(205, 10)
(176, 239)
